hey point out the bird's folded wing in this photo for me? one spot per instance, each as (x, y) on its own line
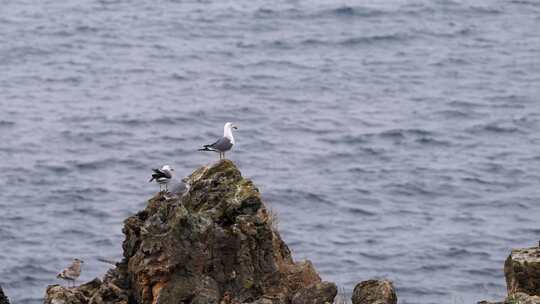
(223, 144)
(161, 173)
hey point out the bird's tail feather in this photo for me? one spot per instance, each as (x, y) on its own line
(206, 148)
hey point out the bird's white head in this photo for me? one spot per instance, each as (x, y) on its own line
(227, 131)
(230, 125)
(167, 168)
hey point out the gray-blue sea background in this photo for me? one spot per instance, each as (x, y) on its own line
(394, 139)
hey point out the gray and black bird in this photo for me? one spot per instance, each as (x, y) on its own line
(223, 144)
(162, 176)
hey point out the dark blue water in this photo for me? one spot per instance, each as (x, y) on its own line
(396, 139)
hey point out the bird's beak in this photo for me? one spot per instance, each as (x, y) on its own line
(172, 169)
(235, 127)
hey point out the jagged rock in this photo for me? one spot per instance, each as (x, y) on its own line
(516, 298)
(114, 289)
(374, 292)
(522, 271)
(57, 294)
(318, 293)
(522, 298)
(3, 297)
(212, 245)
(217, 238)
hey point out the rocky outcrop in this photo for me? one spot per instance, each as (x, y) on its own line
(374, 292)
(522, 298)
(114, 289)
(213, 244)
(522, 271)
(3, 297)
(318, 293)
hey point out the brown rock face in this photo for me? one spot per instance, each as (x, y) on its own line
(94, 292)
(522, 271)
(214, 244)
(3, 298)
(374, 292)
(318, 293)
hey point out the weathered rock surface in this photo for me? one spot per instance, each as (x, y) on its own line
(112, 290)
(3, 297)
(516, 298)
(522, 298)
(522, 271)
(213, 244)
(374, 292)
(318, 293)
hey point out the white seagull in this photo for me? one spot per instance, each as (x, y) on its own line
(71, 273)
(223, 144)
(162, 176)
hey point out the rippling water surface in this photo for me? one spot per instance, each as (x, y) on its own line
(396, 139)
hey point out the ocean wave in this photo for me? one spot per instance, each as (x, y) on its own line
(6, 123)
(378, 256)
(495, 128)
(262, 13)
(434, 267)
(360, 211)
(423, 291)
(421, 136)
(490, 272)
(359, 41)
(463, 32)
(276, 63)
(484, 10)
(93, 212)
(102, 163)
(465, 104)
(454, 252)
(431, 141)
(350, 11)
(411, 189)
(19, 54)
(526, 2)
(457, 114)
